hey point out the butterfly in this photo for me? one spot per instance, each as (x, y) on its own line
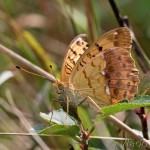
(104, 73)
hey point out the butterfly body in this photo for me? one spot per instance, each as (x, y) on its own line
(104, 72)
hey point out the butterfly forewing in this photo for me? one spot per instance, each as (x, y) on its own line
(75, 50)
(120, 37)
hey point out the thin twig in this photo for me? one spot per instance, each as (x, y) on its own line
(127, 129)
(141, 113)
(108, 138)
(143, 60)
(27, 63)
(48, 135)
(88, 8)
(28, 134)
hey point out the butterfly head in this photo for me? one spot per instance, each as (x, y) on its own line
(60, 87)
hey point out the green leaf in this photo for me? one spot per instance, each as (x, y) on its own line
(59, 117)
(84, 117)
(112, 109)
(37, 128)
(67, 130)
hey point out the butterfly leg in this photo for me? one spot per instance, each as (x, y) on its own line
(67, 107)
(82, 101)
(91, 100)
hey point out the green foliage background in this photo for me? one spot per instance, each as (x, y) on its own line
(40, 31)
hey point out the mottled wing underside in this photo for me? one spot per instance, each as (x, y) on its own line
(90, 81)
(75, 50)
(106, 71)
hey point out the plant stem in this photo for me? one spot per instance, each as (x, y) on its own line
(27, 63)
(88, 8)
(123, 21)
(143, 118)
(127, 129)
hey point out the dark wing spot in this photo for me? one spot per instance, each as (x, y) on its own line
(84, 74)
(81, 64)
(93, 64)
(87, 45)
(78, 43)
(74, 52)
(89, 55)
(107, 76)
(99, 47)
(84, 48)
(68, 67)
(116, 91)
(89, 83)
(73, 62)
(83, 61)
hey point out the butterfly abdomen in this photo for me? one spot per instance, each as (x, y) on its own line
(121, 73)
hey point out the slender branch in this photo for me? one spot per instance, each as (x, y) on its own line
(27, 63)
(45, 135)
(109, 138)
(141, 113)
(88, 8)
(28, 134)
(143, 60)
(125, 128)
(132, 133)
(117, 13)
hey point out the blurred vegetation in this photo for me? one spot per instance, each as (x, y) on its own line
(40, 31)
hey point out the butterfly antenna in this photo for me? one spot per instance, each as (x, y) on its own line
(35, 74)
(53, 73)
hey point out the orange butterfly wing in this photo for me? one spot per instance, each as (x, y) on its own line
(96, 73)
(75, 50)
(105, 72)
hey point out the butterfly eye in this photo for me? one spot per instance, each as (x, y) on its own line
(59, 89)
